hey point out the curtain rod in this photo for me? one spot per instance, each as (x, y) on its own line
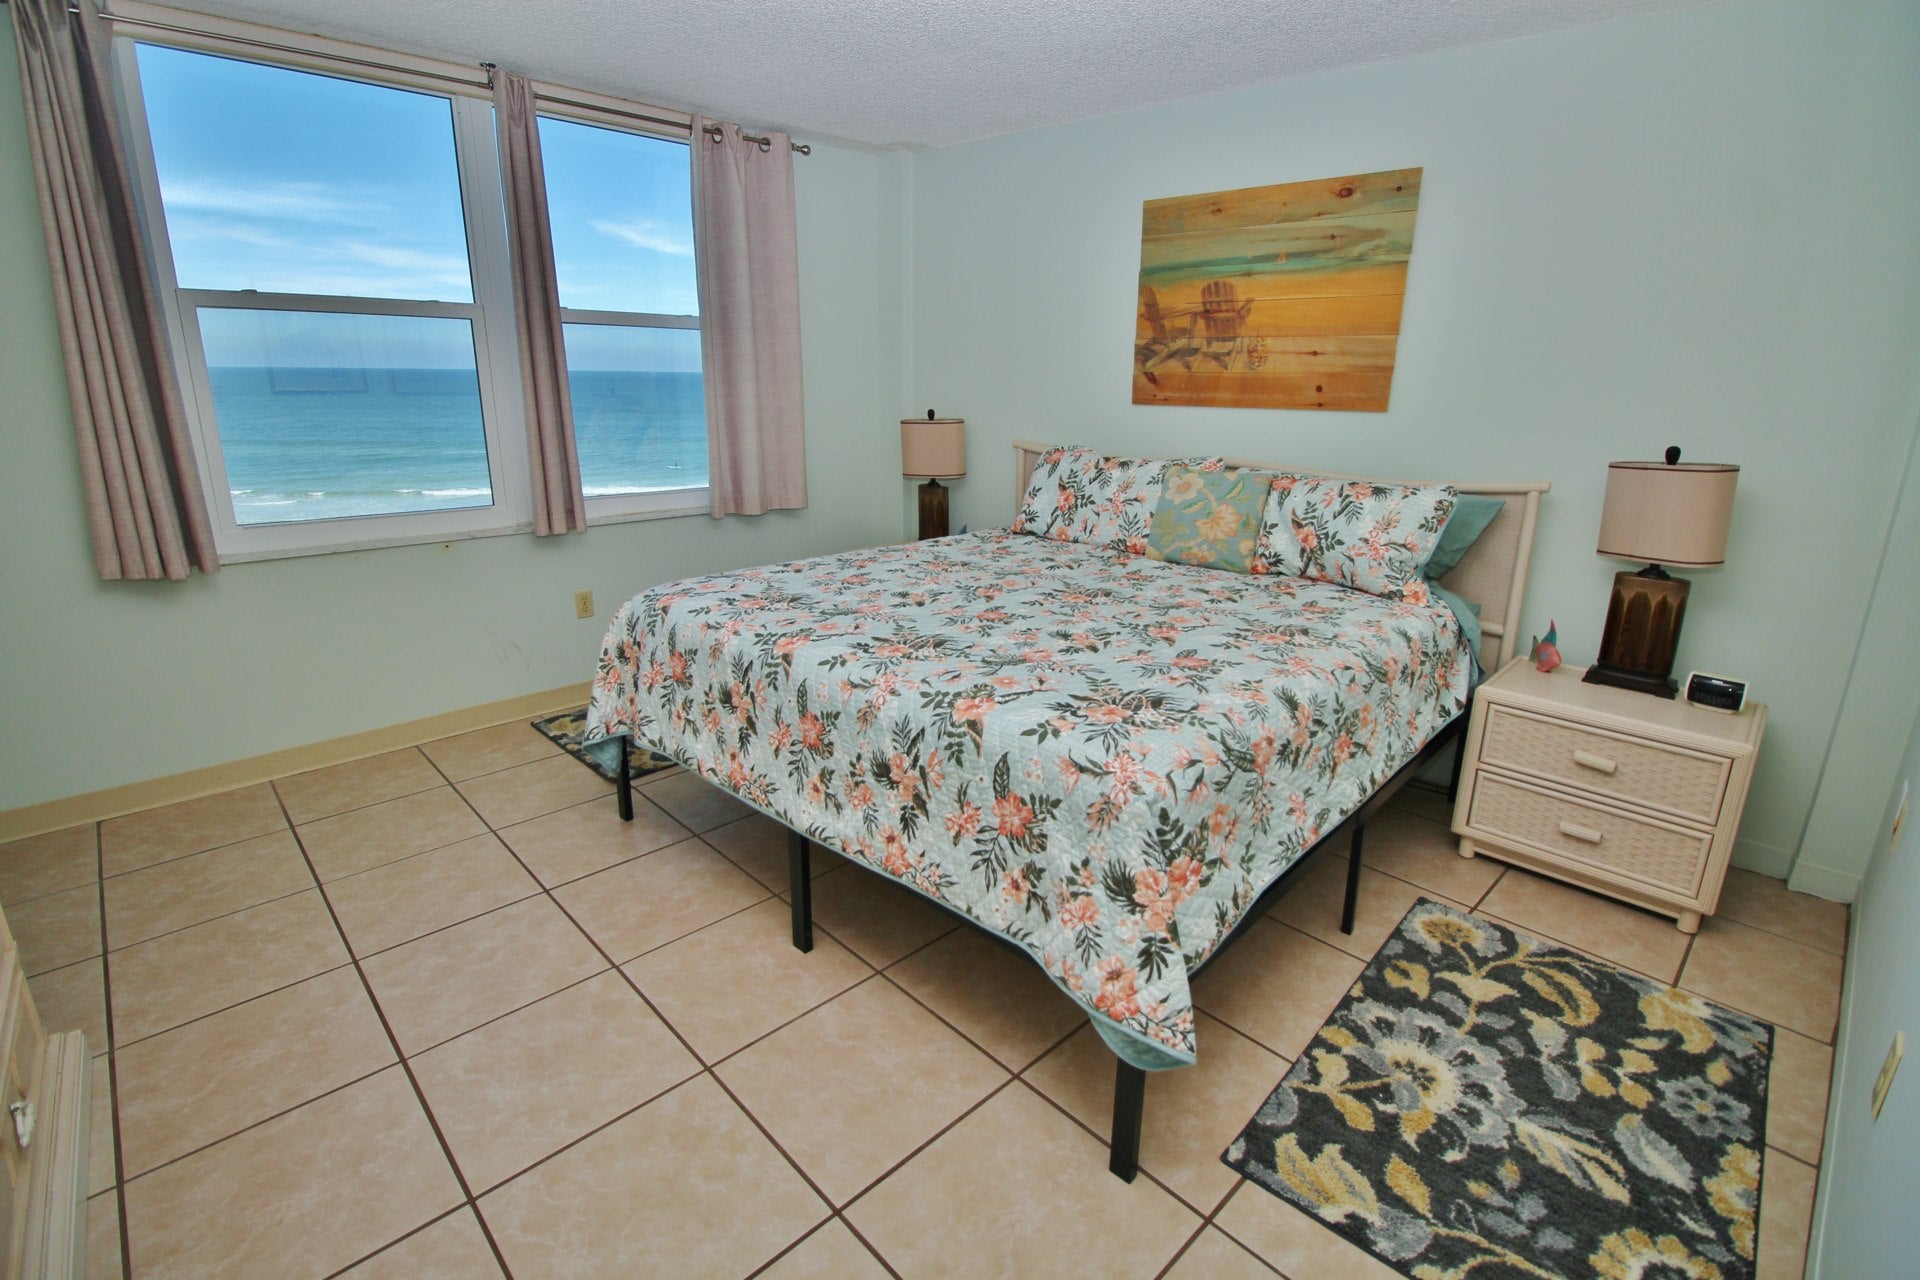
(145, 24)
(713, 131)
(483, 80)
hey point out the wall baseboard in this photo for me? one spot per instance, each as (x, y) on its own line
(1766, 859)
(113, 802)
(1824, 882)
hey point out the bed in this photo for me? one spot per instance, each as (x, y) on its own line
(1107, 760)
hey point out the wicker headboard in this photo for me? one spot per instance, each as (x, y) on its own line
(1493, 573)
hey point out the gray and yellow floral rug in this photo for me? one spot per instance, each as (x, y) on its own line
(568, 731)
(1485, 1104)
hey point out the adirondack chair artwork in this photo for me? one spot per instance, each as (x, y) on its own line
(1281, 297)
(1160, 342)
(1213, 333)
(1222, 318)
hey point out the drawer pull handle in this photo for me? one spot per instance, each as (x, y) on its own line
(1601, 763)
(1579, 832)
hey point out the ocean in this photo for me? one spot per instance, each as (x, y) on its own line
(321, 444)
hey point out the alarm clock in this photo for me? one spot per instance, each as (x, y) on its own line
(1716, 693)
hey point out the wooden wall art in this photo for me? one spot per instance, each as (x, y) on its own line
(1282, 297)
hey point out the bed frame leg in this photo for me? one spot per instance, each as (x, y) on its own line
(1459, 759)
(626, 780)
(1353, 877)
(800, 885)
(1129, 1100)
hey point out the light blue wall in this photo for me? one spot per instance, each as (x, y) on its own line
(1875, 715)
(1690, 227)
(107, 683)
(1694, 227)
(1864, 1224)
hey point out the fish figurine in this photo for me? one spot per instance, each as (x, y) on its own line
(1546, 654)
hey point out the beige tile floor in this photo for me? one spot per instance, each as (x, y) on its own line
(441, 1014)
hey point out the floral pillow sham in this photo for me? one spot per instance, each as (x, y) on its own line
(1079, 495)
(1209, 518)
(1356, 533)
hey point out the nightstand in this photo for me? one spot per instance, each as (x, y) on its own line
(1627, 794)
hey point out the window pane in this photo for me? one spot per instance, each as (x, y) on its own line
(289, 182)
(639, 409)
(323, 415)
(622, 210)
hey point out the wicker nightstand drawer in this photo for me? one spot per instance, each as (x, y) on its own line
(1515, 813)
(1685, 783)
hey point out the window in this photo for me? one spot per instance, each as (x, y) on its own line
(621, 206)
(332, 256)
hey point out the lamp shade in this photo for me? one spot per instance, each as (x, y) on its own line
(1666, 513)
(933, 448)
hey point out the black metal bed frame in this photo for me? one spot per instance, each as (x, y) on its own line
(1130, 1082)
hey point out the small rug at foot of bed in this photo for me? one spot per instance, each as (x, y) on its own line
(1484, 1101)
(569, 728)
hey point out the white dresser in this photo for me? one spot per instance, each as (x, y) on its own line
(1631, 795)
(43, 1134)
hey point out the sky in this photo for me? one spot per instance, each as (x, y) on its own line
(291, 182)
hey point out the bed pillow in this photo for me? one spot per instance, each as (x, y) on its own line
(1358, 533)
(1472, 513)
(1078, 495)
(1209, 518)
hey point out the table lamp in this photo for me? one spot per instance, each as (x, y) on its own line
(1670, 513)
(933, 449)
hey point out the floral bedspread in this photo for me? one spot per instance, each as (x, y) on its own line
(1102, 757)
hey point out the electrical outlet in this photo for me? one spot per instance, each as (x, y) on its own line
(1884, 1081)
(583, 604)
(1899, 816)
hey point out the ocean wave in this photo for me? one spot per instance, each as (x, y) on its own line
(455, 493)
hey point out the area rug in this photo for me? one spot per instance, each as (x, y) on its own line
(1486, 1104)
(568, 731)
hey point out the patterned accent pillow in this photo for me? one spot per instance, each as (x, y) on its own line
(1209, 518)
(1373, 537)
(1078, 495)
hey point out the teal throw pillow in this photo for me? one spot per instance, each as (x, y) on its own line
(1209, 518)
(1472, 513)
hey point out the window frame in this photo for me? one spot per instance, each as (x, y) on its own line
(491, 313)
(615, 508)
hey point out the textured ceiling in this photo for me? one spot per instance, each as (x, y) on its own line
(922, 73)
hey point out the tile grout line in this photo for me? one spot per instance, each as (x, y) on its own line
(1183, 1250)
(1208, 1217)
(809, 1234)
(113, 1061)
(225, 915)
(172, 858)
(202, 1017)
(1107, 1144)
(835, 1211)
(419, 1095)
(957, 1030)
(248, 1128)
(1227, 1199)
(472, 1200)
(424, 1227)
(705, 1067)
(709, 1068)
(873, 1184)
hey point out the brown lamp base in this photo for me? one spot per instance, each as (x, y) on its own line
(1639, 681)
(1642, 631)
(933, 510)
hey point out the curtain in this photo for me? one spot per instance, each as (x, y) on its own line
(145, 510)
(747, 259)
(559, 505)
